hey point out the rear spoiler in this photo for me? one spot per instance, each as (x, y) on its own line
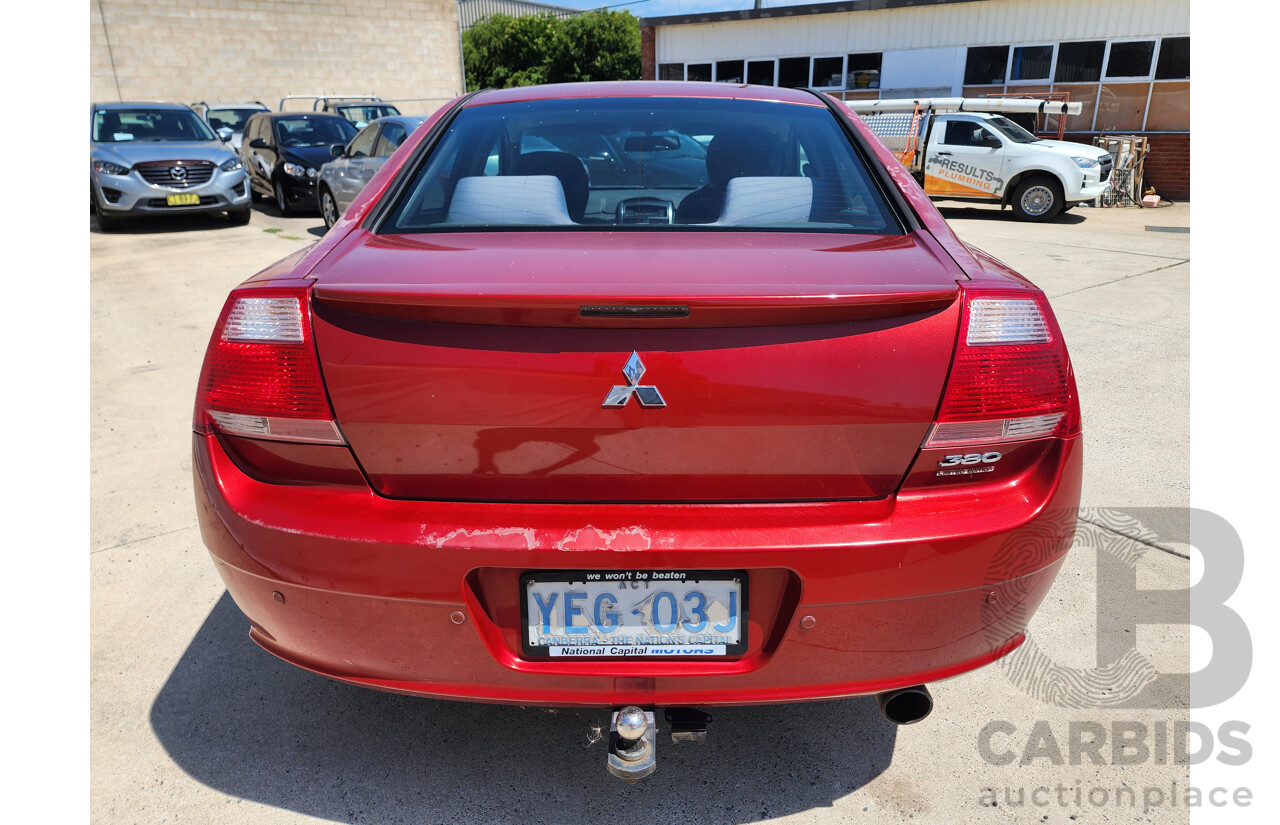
(510, 306)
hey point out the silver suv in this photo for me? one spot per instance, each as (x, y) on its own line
(160, 159)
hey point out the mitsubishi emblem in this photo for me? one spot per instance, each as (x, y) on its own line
(647, 395)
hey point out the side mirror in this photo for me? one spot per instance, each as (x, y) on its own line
(258, 143)
(337, 150)
(225, 133)
(991, 142)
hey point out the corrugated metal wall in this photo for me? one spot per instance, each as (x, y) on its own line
(472, 11)
(993, 22)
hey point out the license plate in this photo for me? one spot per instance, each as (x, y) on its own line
(617, 614)
(182, 200)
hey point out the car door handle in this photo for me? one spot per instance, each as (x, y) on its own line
(944, 153)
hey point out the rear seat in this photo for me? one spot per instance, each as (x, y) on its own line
(772, 200)
(536, 200)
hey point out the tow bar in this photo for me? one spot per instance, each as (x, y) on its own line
(632, 743)
(633, 736)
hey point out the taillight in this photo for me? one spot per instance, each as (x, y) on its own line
(1011, 379)
(261, 378)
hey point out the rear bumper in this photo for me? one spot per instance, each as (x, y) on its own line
(900, 591)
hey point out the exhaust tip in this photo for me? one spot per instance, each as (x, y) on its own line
(905, 706)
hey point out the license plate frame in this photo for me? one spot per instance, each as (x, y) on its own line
(183, 199)
(654, 578)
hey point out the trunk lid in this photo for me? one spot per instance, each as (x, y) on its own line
(499, 366)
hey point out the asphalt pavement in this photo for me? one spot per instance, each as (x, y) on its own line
(191, 722)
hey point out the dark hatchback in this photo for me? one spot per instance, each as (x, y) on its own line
(283, 154)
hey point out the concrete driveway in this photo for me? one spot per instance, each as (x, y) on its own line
(191, 722)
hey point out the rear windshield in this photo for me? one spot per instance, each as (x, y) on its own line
(122, 125)
(232, 119)
(643, 163)
(364, 114)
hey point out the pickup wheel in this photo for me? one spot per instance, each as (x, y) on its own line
(1037, 199)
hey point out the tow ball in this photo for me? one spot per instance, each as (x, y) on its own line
(633, 738)
(632, 743)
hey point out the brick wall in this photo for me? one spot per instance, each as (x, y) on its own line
(241, 50)
(1168, 164)
(648, 61)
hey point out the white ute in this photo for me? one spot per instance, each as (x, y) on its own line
(965, 149)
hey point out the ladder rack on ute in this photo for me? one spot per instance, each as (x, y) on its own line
(1060, 105)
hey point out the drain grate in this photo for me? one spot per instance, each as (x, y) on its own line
(1168, 229)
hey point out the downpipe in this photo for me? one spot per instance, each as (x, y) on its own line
(905, 706)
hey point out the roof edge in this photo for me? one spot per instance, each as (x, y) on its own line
(794, 11)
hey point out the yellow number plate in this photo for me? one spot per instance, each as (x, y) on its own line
(183, 200)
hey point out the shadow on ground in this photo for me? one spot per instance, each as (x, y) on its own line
(989, 213)
(242, 722)
(162, 224)
(201, 222)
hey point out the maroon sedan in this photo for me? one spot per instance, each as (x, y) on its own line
(639, 394)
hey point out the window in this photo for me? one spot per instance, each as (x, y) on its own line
(393, 134)
(1031, 63)
(1122, 107)
(1086, 94)
(363, 114)
(1131, 59)
(793, 72)
(700, 71)
(120, 125)
(253, 129)
(362, 146)
(985, 64)
(828, 72)
(671, 71)
(1011, 130)
(760, 72)
(233, 119)
(300, 131)
(729, 71)
(1170, 109)
(1175, 59)
(817, 180)
(863, 71)
(963, 133)
(1080, 62)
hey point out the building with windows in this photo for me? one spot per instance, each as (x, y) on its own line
(1127, 61)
